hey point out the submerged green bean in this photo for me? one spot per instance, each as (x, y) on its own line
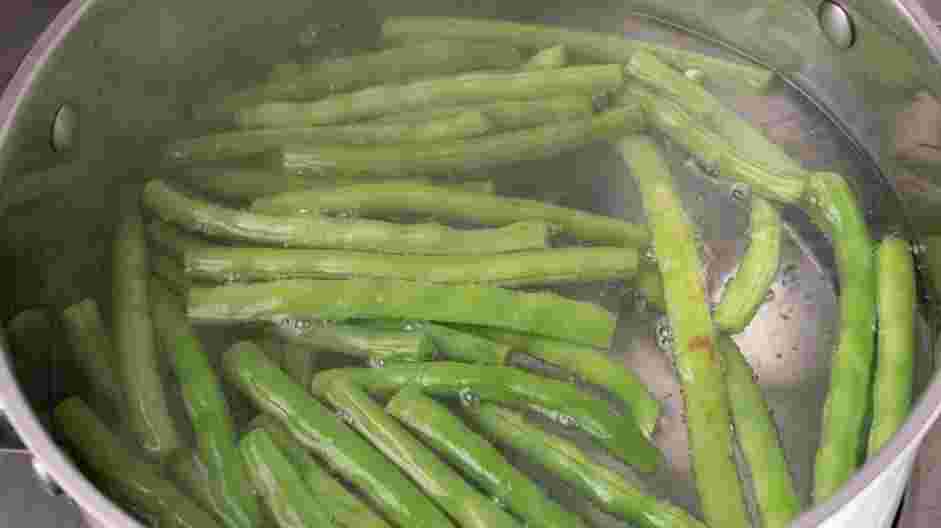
(455, 345)
(215, 220)
(94, 352)
(378, 343)
(390, 198)
(548, 58)
(508, 115)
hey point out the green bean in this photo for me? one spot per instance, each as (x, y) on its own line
(340, 300)
(775, 494)
(207, 410)
(707, 108)
(123, 471)
(171, 272)
(173, 240)
(94, 351)
(892, 388)
(647, 283)
(833, 206)
(380, 344)
(190, 474)
(320, 431)
(147, 412)
(698, 364)
(609, 490)
(344, 508)
(746, 291)
(589, 364)
(717, 154)
(508, 115)
(279, 484)
(300, 362)
(548, 58)
(242, 183)
(455, 345)
(239, 144)
(600, 47)
(463, 503)
(573, 408)
(477, 88)
(477, 459)
(525, 268)
(436, 57)
(462, 156)
(395, 198)
(323, 232)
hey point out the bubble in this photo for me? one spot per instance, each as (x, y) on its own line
(919, 249)
(375, 362)
(499, 502)
(566, 421)
(694, 75)
(469, 398)
(740, 192)
(650, 254)
(345, 416)
(664, 334)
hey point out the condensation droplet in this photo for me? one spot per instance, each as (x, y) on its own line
(664, 334)
(375, 362)
(566, 421)
(469, 398)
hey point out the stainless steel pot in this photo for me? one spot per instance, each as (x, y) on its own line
(109, 79)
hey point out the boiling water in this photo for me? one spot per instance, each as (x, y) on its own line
(788, 343)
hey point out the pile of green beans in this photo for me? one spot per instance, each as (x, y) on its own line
(374, 336)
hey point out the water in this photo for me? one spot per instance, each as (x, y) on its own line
(788, 343)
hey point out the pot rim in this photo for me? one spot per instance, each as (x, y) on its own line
(96, 505)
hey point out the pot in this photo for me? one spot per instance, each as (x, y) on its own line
(110, 79)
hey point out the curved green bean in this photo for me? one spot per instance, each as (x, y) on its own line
(207, 410)
(455, 496)
(380, 344)
(609, 490)
(524, 268)
(94, 352)
(618, 434)
(387, 198)
(599, 47)
(190, 474)
(746, 291)
(478, 460)
(146, 410)
(125, 472)
(698, 364)
(771, 479)
(280, 485)
(461, 156)
(589, 364)
(832, 204)
(344, 508)
(340, 300)
(892, 384)
(240, 144)
(508, 115)
(548, 58)
(477, 88)
(322, 232)
(242, 183)
(320, 431)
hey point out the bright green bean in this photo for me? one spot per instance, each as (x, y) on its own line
(387, 198)
(205, 217)
(344, 508)
(698, 363)
(124, 471)
(526, 268)
(340, 300)
(771, 479)
(462, 156)
(380, 344)
(895, 363)
(477, 88)
(746, 291)
(280, 485)
(207, 410)
(589, 364)
(832, 204)
(344, 451)
(618, 434)
(600, 47)
(463, 503)
(466, 347)
(478, 460)
(609, 490)
(146, 410)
